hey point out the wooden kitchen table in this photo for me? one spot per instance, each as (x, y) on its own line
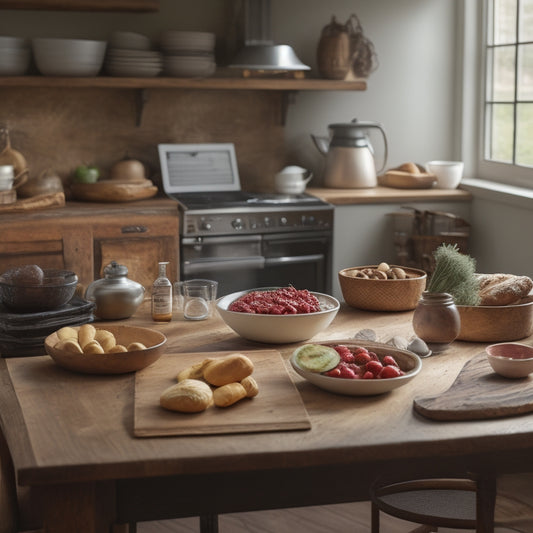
(74, 453)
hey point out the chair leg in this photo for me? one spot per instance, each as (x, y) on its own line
(374, 518)
(486, 502)
(209, 523)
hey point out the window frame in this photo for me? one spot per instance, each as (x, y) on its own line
(474, 79)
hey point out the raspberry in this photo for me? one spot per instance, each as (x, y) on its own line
(345, 353)
(373, 356)
(368, 375)
(333, 373)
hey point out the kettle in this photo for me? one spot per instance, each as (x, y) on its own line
(350, 156)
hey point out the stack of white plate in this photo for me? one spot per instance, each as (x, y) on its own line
(14, 56)
(188, 53)
(130, 54)
(68, 57)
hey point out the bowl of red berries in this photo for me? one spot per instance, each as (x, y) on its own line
(361, 368)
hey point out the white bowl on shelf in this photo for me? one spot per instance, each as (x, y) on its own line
(68, 57)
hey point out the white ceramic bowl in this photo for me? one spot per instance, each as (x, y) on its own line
(277, 329)
(448, 173)
(409, 362)
(14, 61)
(68, 57)
(511, 359)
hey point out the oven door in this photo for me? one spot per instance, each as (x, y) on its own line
(234, 261)
(302, 260)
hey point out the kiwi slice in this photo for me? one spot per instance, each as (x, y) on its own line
(316, 358)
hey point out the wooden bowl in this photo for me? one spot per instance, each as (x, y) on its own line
(383, 294)
(112, 363)
(496, 323)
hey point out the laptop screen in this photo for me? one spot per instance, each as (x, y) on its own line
(198, 167)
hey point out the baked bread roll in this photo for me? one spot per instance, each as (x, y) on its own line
(187, 396)
(233, 367)
(250, 386)
(503, 289)
(195, 371)
(86, 334)
(228, 394)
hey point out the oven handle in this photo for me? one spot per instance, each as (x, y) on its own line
(256, 262)
(313, 258)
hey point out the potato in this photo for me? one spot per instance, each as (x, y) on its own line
(118, 348)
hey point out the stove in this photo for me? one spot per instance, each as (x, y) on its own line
(244, 239)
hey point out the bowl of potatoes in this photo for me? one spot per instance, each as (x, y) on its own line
(105, 350)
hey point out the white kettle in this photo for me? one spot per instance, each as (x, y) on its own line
(349, 155)
(292, 180)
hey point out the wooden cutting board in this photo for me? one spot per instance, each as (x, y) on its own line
(277, 407)
(479, 393)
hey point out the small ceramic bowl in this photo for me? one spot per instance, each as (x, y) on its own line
(511, 359)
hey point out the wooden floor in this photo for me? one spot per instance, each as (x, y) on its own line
(342, 518)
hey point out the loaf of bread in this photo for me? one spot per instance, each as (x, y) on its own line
(228, 394)
(187, 396)
(224, 370)
(503, 289)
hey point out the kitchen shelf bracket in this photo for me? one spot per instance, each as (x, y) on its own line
(142, 98)
(287, 98)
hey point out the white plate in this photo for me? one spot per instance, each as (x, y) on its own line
(408, 361)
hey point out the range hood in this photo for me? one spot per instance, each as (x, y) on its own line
(259, 51)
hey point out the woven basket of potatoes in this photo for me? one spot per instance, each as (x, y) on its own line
(382, 287)
(106, 349)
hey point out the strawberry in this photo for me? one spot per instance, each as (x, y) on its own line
(389, 360)
(347, 373)
(333, 373)
(389, 371)
(374, 366)
(361, 358)
(368, 375)
(373, 356)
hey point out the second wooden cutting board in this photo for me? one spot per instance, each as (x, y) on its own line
(277, 407)
(479, 393)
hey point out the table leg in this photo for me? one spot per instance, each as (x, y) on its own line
(209, 523)
(486, 501)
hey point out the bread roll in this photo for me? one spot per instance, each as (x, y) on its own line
(234, 367)
(69, 346)
(187, 396)
(86, 334)
(118, 348)
(228, 394)
(93, 347)
(105, 338)
(250, 386)
(195, 371)
(67, 333)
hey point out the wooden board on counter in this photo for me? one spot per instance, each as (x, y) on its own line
(277, 407)
(479, 393)
(43, 201)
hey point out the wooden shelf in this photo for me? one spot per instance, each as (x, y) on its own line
(137, 6)
(214, 83)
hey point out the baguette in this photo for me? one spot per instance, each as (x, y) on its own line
(503, 289)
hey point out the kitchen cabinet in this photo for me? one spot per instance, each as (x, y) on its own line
(85, 237)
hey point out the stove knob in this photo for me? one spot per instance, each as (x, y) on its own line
(237, 224)
(206, 226)
(267, 222)
(283, 221)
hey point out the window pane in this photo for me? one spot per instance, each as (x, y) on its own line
(525, 72)
(504, 21)
(501, 132)
(524, 132)
(526, 21)
(503, 76)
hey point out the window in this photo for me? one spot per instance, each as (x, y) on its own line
(506, 110)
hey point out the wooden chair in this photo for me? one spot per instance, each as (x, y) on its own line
(476, 503)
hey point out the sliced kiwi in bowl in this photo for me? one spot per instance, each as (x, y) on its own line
(316, 357)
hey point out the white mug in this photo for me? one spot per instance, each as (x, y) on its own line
(448, 173)
(292, 180)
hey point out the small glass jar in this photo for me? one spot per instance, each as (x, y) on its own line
(115, 295)
(436, 320)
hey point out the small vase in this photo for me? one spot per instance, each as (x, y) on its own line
(436, 320)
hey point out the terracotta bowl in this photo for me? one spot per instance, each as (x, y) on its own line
(496, 323)
(112, 363)
(383, 294)
(511, 359)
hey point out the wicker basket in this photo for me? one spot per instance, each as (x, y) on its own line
(381, 294)
(424, 247)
